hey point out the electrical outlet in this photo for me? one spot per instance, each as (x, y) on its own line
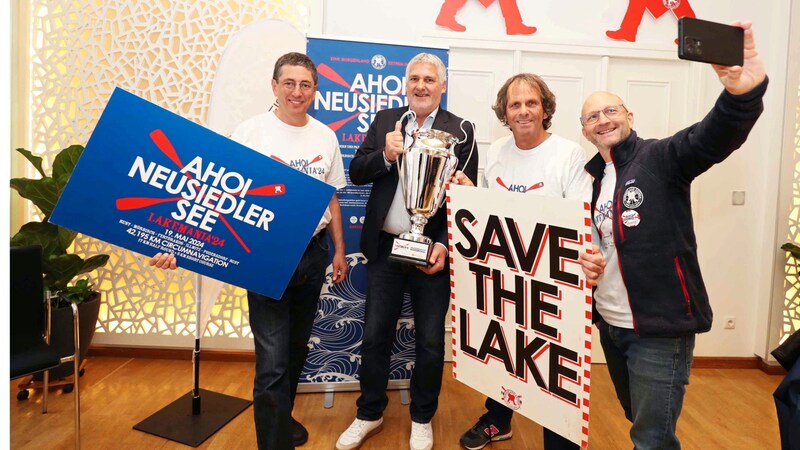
(737, 198)
(730, 323)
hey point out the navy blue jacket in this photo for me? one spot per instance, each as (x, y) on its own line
(658, 256)
(787, 404)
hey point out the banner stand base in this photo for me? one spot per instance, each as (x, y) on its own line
(177, 423)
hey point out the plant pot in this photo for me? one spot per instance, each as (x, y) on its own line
(61, 337)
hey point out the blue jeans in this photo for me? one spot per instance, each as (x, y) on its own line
(650, 377)
(430, 297)
(499, 415)
(281, 329)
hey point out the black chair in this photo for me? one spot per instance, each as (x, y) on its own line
(30, 326)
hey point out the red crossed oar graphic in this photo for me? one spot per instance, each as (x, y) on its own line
(316, 159)
(163, 143)
(126, 203)
(268, 190)
(534, 186)
(327, 72)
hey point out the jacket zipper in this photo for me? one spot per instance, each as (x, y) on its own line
(683, 287)
(617, 240)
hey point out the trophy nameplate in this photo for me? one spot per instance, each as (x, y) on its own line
(410, 251)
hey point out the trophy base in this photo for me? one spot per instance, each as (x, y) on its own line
(409, 249)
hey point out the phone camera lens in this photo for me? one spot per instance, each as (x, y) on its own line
(693, 46)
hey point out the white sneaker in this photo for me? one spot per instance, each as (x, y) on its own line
(421, 436)
(358, 432)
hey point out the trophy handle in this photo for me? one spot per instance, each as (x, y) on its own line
(400, 160)
(472, 148)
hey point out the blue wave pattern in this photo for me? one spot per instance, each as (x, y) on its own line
(335, 344)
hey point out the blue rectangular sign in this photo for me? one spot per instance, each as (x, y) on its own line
(151, 181)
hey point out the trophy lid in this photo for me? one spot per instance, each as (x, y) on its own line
(436, 138)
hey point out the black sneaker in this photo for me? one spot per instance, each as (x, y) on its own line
(299, 433)
(482, 433)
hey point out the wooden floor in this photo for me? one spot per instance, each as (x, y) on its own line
(724, 409)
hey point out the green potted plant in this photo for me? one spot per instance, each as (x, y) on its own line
(794, 250)
(59, 266)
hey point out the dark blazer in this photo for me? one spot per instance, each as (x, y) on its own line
(368, 166)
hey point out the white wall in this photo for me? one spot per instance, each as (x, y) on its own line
(736, 243)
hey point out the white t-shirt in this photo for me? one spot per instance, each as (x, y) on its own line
(312, 149)
(611, 296)
(553, 168)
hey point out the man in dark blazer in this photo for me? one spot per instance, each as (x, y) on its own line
(386, 216)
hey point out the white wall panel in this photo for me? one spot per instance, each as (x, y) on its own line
(475, 77)
(657, 92)
(571, 78)
(470, 91)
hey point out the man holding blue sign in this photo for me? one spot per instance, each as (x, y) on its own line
(282, 327)
(386, 217)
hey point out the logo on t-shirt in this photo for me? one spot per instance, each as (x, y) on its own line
(519, 187)
(602, 211)
(304, 165)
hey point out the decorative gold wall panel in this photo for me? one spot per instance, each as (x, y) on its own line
(791, 283)
(165, 51)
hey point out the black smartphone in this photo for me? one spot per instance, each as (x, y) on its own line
(710, 42)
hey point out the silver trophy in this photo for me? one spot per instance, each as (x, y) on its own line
(426, 167)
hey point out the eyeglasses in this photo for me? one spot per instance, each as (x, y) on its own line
(609, 111)
(291, 85)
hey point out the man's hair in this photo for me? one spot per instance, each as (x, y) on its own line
(430, 59)
(534, 81)
(295, 59)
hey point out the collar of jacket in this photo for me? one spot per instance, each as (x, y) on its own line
(439, 122)
(621, 154)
